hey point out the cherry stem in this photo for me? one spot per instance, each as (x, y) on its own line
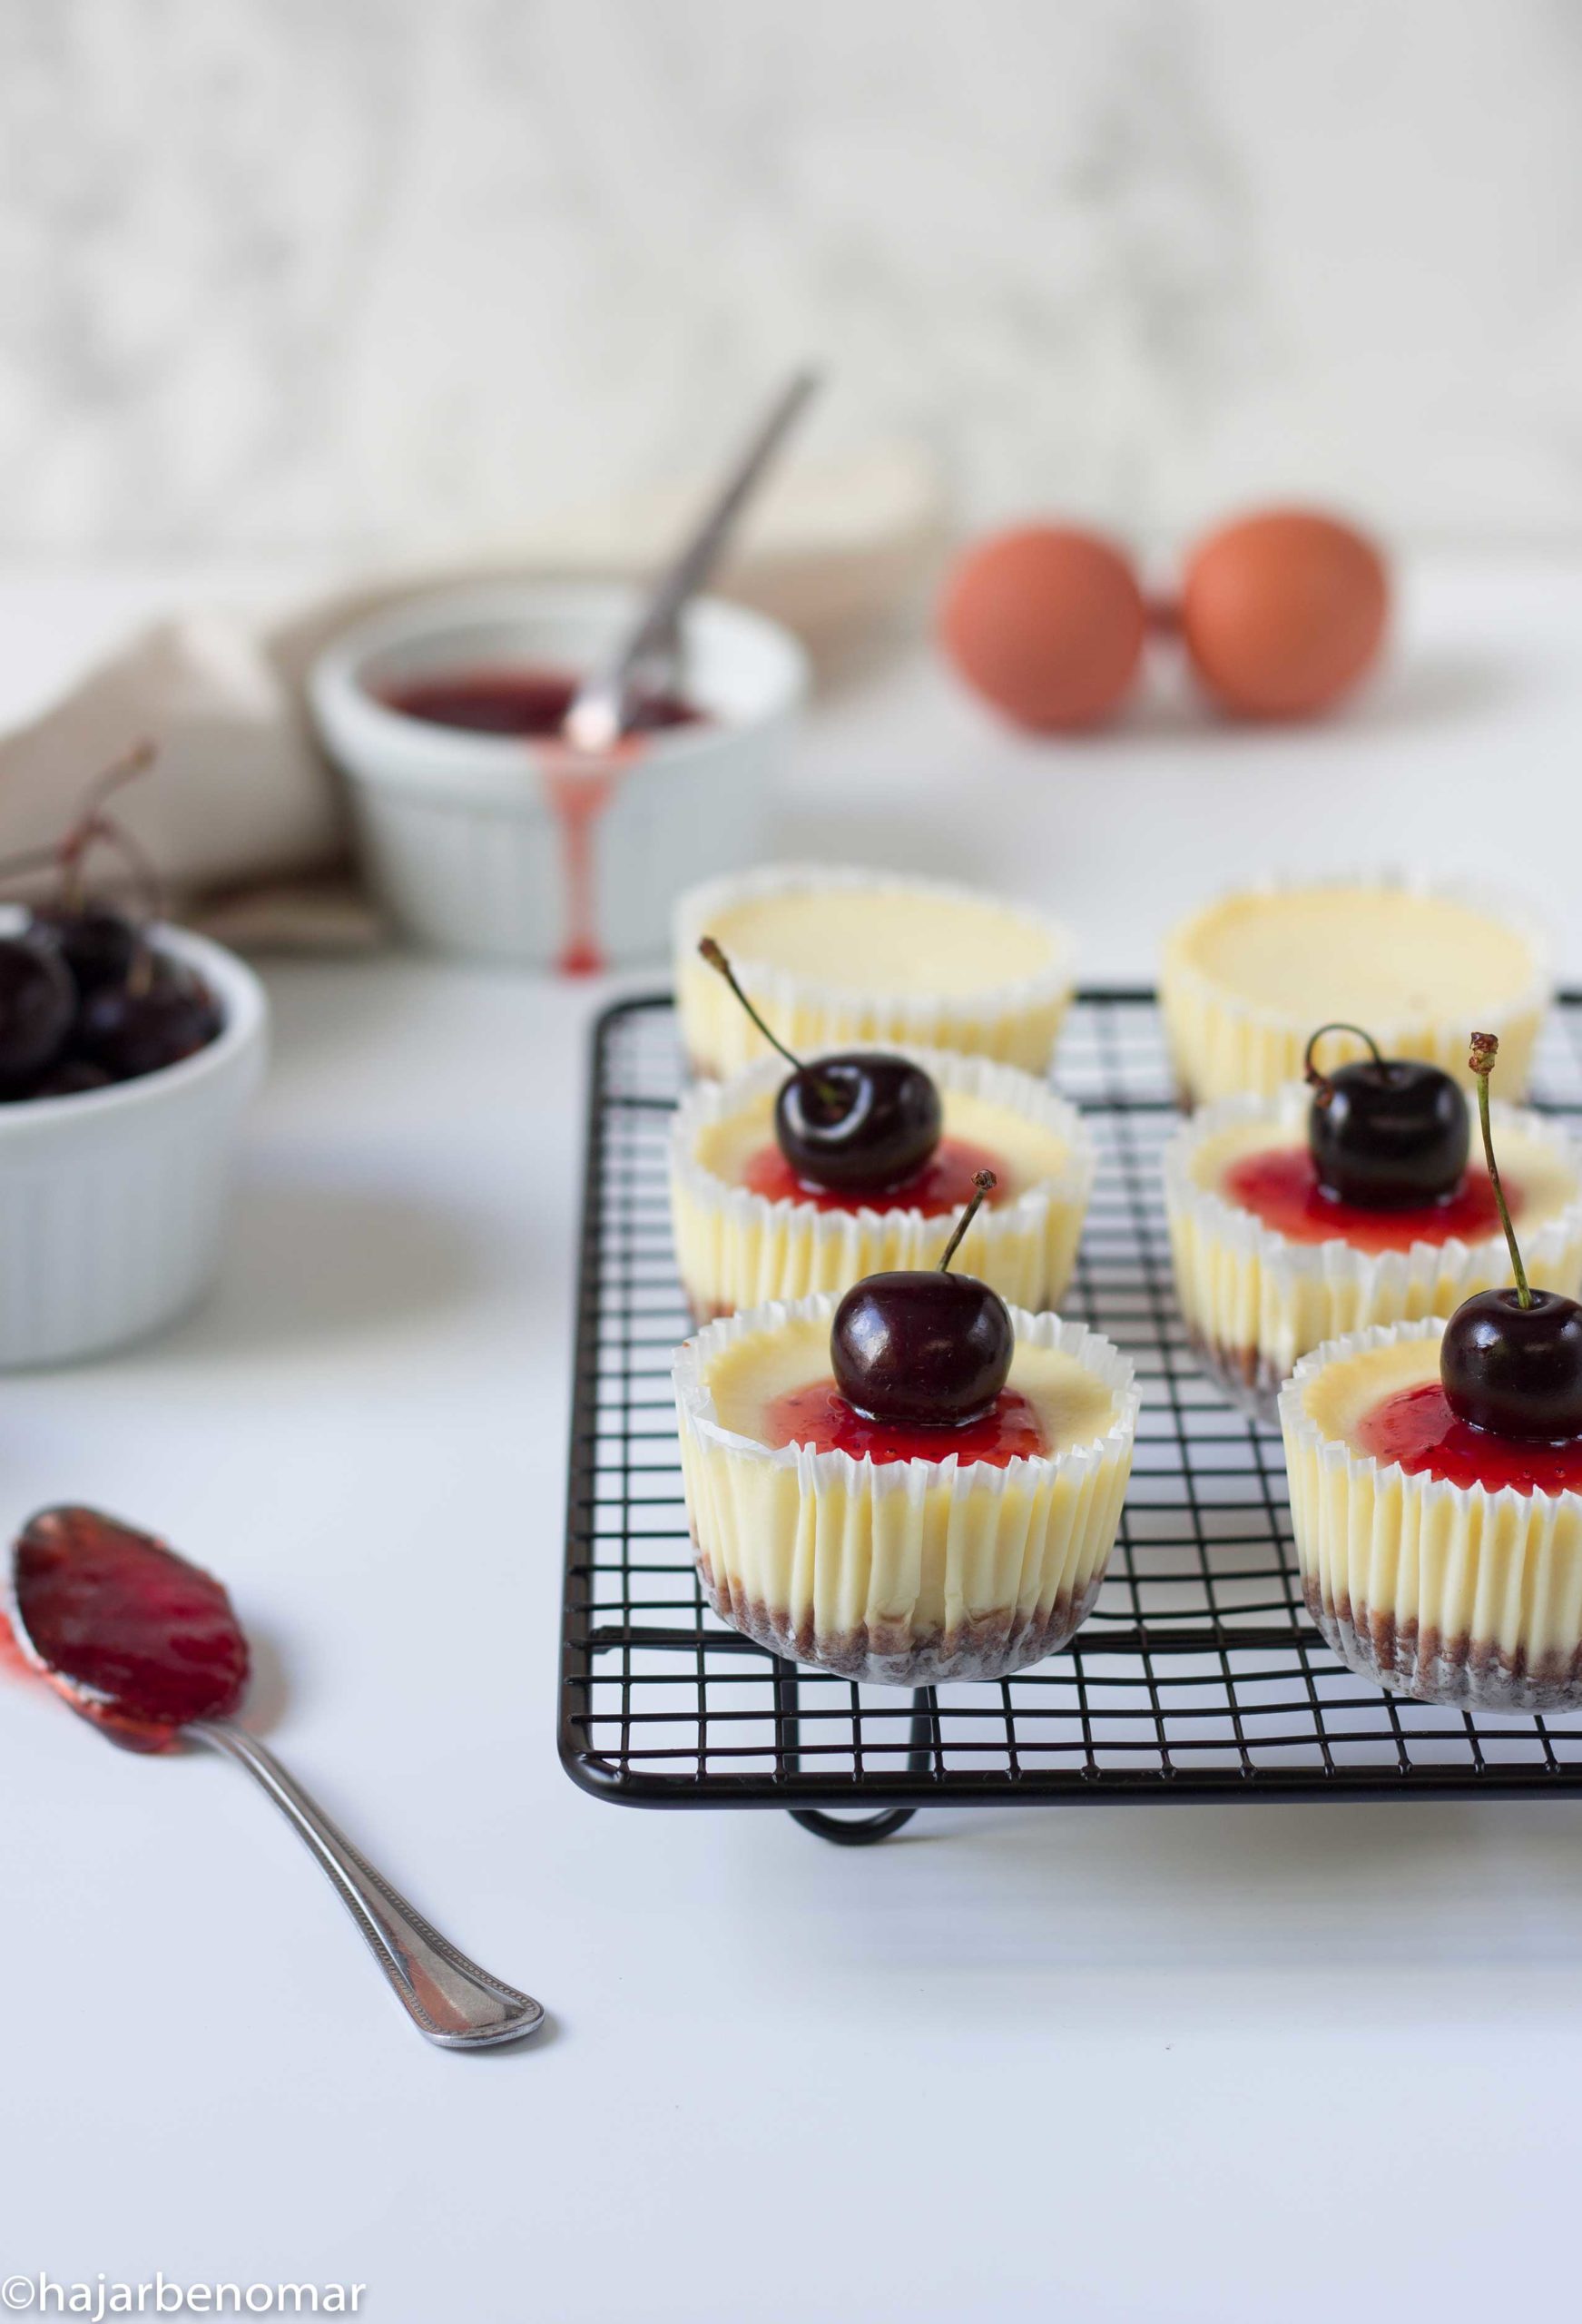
(715, 957)
(985, 1183)
(1321, 1081)
(143, 869)
(92, 824)
(1485, 1049)
(89, 825)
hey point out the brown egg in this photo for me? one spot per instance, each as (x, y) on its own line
(1046, 623)
(1283, 613)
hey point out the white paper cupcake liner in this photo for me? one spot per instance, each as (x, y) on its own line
(1222, 1045)
(1253, 1301)
(1016, 1022)
(736, 1249)
(913, 1570)
(1449, 1593)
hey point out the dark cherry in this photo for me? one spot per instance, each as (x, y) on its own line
(848, 1124)
(1386, 1133)
(858, 1120)
(923, 1348)
(1516, 1370)
(37, 1002)
(1510, 1360)
(97, 943)
(72, 1077)
(153, 1021)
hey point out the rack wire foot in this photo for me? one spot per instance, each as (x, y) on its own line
(861, 1833)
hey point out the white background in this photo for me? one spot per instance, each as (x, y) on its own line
(1254, 2063)
(321, 278)
(379, 273)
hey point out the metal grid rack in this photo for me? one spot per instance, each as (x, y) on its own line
(1196, 1677)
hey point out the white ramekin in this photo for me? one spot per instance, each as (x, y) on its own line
(458, 834)
(112, 1203)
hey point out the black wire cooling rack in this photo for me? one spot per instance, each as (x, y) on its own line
(1196, 1677)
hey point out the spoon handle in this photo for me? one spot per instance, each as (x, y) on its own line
(447, 1998)
(597, 715)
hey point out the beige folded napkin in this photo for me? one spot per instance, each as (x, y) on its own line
(241, 813)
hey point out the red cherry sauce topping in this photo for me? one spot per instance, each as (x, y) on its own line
(820, 1415)
(531, 704)
(135, 1638)
(1281, 1188)
(1415, 1429)
(945, 1182)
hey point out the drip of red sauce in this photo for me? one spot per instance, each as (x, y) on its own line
(1282, 1188)
(1415, 1429)
(12, 1661)
(820, 1415)
(136, 1638)
(578, 792)
(943, 1184)
(530, 702)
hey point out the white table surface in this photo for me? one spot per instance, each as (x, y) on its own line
(1209, 2064)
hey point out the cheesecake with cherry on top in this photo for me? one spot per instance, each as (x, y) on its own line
(837, 958)
(1277, 1247)
(1442, 1562)
(750, 1224)
(1436, 1492)
(906, 1484)
(1244, 982)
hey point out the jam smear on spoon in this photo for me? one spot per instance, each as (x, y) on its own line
(136, 1638)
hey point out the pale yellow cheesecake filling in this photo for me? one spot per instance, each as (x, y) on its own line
(1254, 1299)
(838, 959)
(885, 942)
(1452, 1593)
(913, 1569)
(1246, 981)
(1073, 1404)
(735, 1248)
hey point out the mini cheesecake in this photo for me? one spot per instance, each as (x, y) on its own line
(747, 1230)
(1438, 1559)
(1268, 1265)
(1243, 984)
(896, 1555)
(841, 959)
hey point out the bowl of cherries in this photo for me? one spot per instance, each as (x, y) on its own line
(128, 1052)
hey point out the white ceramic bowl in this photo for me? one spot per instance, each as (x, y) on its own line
(467, 838)
(111, 1204)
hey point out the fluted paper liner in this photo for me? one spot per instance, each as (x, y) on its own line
(1449, 1593)
(1016, 1022)
(735, 1248)
(1222, 1044)
(1254, 1301)
(913, 1570)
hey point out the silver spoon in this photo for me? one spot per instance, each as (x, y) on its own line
(447, 1998)
(648, 656)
